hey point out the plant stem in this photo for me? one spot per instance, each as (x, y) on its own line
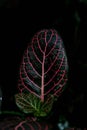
(12, 113)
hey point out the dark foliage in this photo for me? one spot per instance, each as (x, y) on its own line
(69, 18)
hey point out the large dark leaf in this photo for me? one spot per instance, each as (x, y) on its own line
(43, 70)
(16, 123)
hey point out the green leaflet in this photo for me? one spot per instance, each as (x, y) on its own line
(29, 103)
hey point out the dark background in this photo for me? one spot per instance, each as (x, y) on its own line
(19, 20)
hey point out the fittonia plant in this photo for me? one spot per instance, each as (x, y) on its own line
(43, 73)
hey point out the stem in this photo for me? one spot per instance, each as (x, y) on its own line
(12, 113)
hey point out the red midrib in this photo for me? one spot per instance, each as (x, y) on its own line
(42, 85)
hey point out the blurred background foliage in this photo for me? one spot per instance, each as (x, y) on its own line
(69, 18)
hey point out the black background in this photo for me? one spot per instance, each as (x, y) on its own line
(18, 23)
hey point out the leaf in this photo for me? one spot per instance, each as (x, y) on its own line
(16, 123)
(29, 103)
(44, 67)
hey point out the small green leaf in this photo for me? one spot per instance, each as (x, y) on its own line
(29, 103)
(26, 102)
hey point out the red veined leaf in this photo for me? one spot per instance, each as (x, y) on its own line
(16, 123)
(43, 70)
